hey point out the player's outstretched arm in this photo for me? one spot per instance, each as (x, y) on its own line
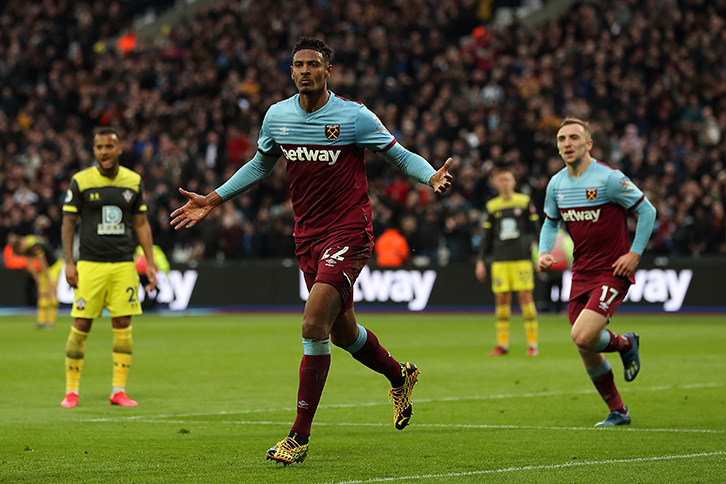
(194, 210)
(441, 180)
(199, 206)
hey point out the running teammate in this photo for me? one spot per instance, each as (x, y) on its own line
(592, 200)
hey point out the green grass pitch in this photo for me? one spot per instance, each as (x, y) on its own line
(215, 392)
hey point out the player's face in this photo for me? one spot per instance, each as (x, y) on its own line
(107, 149)
(504, 182)
(309, 71)
(573, 143)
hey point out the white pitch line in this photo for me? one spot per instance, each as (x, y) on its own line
(499, 396)
(529, 468)
(418, 425)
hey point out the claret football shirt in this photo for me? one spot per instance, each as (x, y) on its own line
(594, 208)
(325, 154)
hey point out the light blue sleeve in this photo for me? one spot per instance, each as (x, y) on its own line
(551, 209)
(624, 192)
(548, 236)
(410, 163)
(266, 143)
(550, 225)
(370, 132)
(259, 167)
(644, 229)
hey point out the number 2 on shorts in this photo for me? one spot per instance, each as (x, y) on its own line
(337, 256)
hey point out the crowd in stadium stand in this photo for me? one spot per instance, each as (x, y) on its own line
(649, 76)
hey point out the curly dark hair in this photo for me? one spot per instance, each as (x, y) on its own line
(312, 43)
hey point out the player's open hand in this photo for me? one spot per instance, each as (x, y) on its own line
(544, 262)
(151, 276)
(192, 212)
(441, 181)
(626, 264)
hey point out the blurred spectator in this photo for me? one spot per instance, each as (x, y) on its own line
(709, 133)
(391, 249)
(717, 243)
(239, 147)
(459, 231)
(632, 144)
(429, 234)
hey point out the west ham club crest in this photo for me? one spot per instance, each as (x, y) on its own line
(332, 131)
(591, 194)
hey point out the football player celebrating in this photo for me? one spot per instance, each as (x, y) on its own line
(323, 138)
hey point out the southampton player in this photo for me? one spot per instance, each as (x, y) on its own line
(109, 199)
(323, 139)
(510, 225)
(592, 199)
(45, 268)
